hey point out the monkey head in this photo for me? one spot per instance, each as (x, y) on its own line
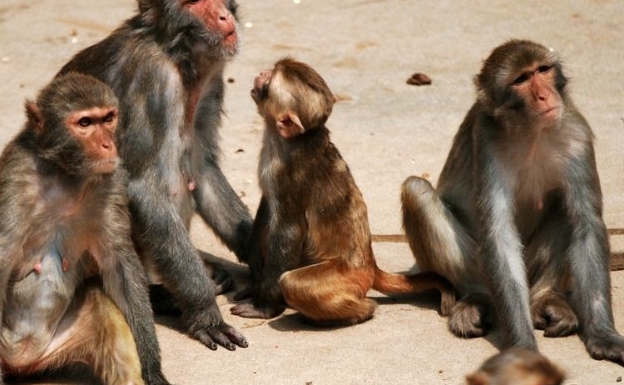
(522, 83)
(74, 121)
(517, 366)
(292, 97)
(197, 22)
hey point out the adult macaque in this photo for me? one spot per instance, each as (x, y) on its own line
(311, 244)
(516, 220)
(517, 366)
(166, 67)
(65, 222)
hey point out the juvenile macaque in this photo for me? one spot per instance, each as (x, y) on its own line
(166, 65)
(311, 244)
(516, 220)
(517, 366)
(73, 289)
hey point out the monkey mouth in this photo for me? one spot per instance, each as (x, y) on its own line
(259, 93)
(552, 112)
(106, 166)
(231, 37)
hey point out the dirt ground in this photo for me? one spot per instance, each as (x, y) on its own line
(386, 131)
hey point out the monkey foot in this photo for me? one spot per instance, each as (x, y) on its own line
(555, 319)
(467, 320)
(605, 345)
(248, 310)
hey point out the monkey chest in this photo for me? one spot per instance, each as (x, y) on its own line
(36, 305)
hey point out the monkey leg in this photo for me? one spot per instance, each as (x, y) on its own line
(96, 332)
(549, 278)
(116, 359)
(329, 293)
(440, 243)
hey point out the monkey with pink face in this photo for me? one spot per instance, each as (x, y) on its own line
(516, 220)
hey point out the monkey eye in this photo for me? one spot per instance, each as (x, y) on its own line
(85, 122)
(109, 117)
(520, 79)
(544, 68)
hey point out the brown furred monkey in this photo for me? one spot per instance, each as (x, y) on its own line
(311, 244)
(519, 206)
(64, 222)
(166, 65)
(517, 366)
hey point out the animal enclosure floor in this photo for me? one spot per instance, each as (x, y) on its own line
(385, 129)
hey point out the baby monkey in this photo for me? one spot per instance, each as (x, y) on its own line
(517, 366)
(310, 246)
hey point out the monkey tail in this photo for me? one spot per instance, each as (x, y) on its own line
(390, 283)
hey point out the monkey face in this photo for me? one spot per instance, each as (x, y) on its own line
(522, 83)
(260, 90)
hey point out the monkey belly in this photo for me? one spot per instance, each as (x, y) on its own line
(35, 307)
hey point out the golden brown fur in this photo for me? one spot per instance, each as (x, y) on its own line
(311, 242)
(517, 367)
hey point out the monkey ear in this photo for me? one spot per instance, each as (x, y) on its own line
(478, 378)
(34, 114)
(289, 125)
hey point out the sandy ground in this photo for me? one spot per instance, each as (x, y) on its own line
(386, 131)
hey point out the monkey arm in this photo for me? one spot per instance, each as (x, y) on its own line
(180, 266)
(589, 252)
(221, 208)
(125, 282)
(272, 252)
(501, 251)
(217, 203)
(18, 183)
(257, 241)
(284, 252)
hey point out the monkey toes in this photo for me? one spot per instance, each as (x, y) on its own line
(467, 320)
(248, 310)
(605, 345)
(556, 320)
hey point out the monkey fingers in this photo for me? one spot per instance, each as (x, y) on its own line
(556, 321)
(467, 320)
(222, 334)
(604, 345)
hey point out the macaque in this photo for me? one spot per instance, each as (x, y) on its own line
(73, 288)
(517, 366)
(166, 65)
(516, 221)
(310, 247)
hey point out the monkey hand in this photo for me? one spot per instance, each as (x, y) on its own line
(604, 345)
(248, 310)
(219, 334)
